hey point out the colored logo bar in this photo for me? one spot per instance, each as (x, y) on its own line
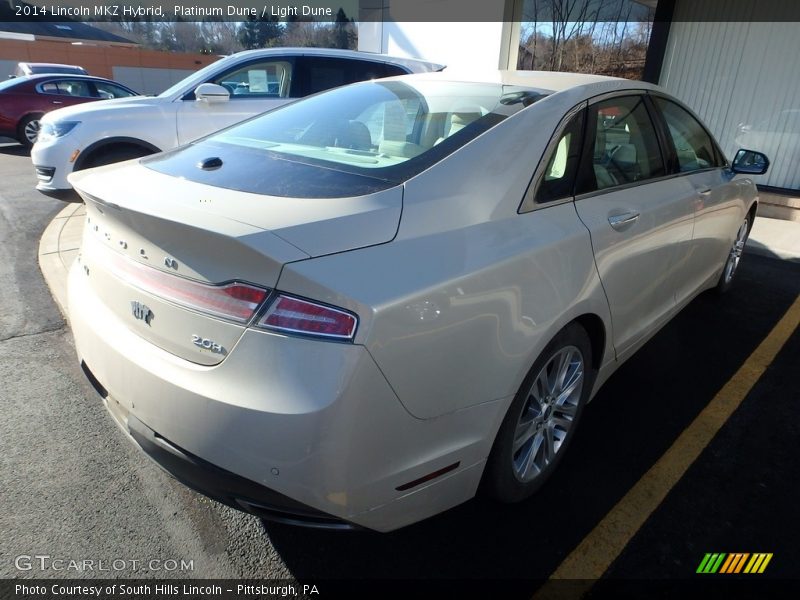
(736, 562)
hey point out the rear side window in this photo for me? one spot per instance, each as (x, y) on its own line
(319, 73)
(621, 145)
(559, 175)
(693, 145)
(109, 90)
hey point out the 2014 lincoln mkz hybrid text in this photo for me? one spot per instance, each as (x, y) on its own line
(362, 307)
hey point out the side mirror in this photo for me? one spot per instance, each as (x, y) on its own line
(211, 93)
(750, 162)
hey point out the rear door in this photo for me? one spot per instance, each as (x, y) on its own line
(640, 218)
(255, 87)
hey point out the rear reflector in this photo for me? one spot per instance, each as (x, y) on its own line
(236, 301)
(428, 477)
(293, 315)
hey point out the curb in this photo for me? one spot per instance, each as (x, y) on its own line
(58, 247)
(775, 238)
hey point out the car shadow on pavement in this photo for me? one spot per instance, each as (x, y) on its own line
(764, 250)
(12, 148)
(633, 420)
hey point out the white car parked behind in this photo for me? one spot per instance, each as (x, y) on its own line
(226, 92)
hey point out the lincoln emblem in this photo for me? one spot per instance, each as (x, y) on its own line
(141, 312)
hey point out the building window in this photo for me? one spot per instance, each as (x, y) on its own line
(585, 36)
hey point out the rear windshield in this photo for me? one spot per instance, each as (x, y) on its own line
(10, 83)
(380, 133)
(375, 126)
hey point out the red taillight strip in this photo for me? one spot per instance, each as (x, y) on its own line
(236, 301)
(297, 315)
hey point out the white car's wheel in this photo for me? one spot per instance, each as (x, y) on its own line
(734, 256)
(542, 419)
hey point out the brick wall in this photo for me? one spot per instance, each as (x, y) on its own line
(98, 60)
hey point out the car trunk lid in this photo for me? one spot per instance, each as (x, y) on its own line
(149, 237)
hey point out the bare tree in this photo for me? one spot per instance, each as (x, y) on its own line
(590, 36)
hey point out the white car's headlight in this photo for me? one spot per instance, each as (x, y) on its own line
(57, 129)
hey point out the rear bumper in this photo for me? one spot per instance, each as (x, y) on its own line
(283, 425)
(208, 479)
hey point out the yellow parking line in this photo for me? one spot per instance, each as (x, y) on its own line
(592, 557)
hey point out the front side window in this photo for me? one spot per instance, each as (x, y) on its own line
(693, 145)
(621, 145)
(109, 91)
(264, 79)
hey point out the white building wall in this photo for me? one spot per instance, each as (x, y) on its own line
(742, 79)
(475, 46)
(465, 44)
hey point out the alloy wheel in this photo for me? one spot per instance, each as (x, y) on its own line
(735, 255)
(548, 414)
(32, 130)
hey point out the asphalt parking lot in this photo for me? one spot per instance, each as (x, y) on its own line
(72, 486)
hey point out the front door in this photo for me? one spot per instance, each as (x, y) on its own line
(718, 203)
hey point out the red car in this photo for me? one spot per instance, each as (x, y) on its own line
(23, 100)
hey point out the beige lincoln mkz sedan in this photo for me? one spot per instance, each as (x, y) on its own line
(362, 308)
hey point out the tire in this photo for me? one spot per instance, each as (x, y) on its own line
(28, 130)
(726, 278)
(113, 154)
(537, 415)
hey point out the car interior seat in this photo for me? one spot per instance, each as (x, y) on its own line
(358, 136)
(602, 175)
(623, 157)
(458, 119)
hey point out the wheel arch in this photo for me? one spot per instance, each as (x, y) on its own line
(28, 115)
(85, 156)
(596, 330)
(752, 212)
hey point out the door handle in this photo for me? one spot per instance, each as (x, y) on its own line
(704, 190)
(619, 222)
(57, 102)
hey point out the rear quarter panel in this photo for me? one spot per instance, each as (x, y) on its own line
(456, 309)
